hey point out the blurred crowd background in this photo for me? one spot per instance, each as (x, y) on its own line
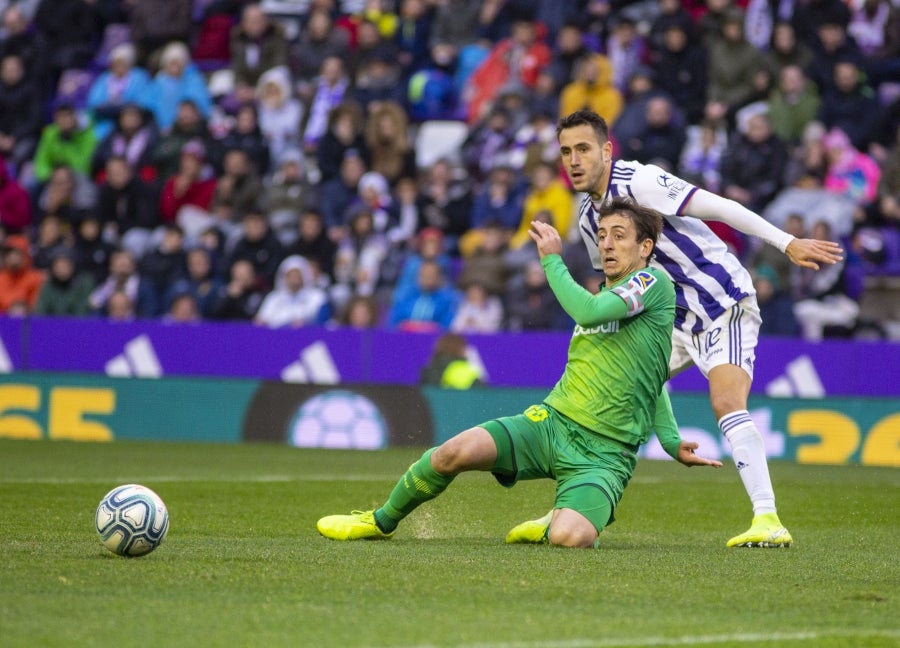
(376, 163)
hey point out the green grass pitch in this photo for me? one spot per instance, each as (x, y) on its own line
(244, 566)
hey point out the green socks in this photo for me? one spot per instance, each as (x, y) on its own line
(418, 485)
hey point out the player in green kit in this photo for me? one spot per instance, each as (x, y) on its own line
(586, 433)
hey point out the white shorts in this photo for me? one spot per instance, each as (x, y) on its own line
(731, 339)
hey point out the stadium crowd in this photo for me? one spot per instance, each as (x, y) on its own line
(292, 162)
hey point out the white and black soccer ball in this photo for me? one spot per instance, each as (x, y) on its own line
(131, 520)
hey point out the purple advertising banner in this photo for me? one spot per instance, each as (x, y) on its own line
(150, 349)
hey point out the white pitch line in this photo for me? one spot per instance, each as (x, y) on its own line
(216, 478)
(690, 640)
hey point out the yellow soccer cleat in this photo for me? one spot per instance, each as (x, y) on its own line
(359, 525)
(765, 531)
(531, 532)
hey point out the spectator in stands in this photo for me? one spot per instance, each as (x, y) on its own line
(247, 135)
(66, 291)
(241, 297)
(775, 260)
(337, 194)
(64, 142)
(886, 210)
(711, 19)
(178, 79)
(490, 143)
(183, 309)
(164, 265)
(486, 262)
(387, 140)
(15, 205)
(360, 313)
(20, 282)
(280, 114)
(256, 44)
(642, 88)
(357, 263)
(345, 133)
(662, 137)
(733, 61)
(67, 194)
(793, 104)
(378, 80)
(120, 307)
(875, 26)
(592, 87)
(331, 86)
(807, 164)
(123, 276)
(547, 193)
(701, 157)
(153, 23)
(260, 246)
(313, 244)
(530, 304)
(446, 201)
(431, 306)
(455, 26)
(133, 139)
(499, 200)
(569, 50)
(682, 67)
(187, 196)
(478, 311)
(121, 84)
(73, 27)
(238, 188)
(127, 206)
(850, 104)
(787, 50)
(319, 41)
(29, 44)
(189, 126)
(427, 246)
(20, 112)
(832, 44)
(297, 300)
(198, 281)
(626, 49)
(412, 36)
(288, 194)
(775, 304)
(92, 253)
(754, 164)
(53, 234)
(820, 297)
(850, 172)
(515, 62)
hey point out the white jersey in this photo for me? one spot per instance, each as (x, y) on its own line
(708, 279)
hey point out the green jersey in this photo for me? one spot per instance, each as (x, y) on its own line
(618, 357)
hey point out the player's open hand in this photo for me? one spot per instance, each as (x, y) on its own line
(806, 252)
(547, 238)
(688, 458)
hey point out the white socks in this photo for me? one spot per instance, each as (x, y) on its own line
(750, 458)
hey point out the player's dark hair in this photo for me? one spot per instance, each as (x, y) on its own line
(647, 222)
(584, 118)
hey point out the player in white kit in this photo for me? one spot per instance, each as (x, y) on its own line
(716, 318)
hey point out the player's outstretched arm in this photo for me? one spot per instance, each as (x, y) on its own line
(688, 458)
(807, 252)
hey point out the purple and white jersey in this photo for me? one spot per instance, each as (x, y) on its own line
(708, 278)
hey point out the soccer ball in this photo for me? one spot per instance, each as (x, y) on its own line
(131, 520)
(339, 419)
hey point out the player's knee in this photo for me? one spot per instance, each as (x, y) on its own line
(726, 403)
(575, 536)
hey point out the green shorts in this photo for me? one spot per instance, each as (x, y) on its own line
(591, 470)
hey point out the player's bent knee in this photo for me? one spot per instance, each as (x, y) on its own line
(473, 449)
(575, 536)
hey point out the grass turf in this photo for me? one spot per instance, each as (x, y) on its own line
(244, 566)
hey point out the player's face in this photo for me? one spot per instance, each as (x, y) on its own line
(619, 248)
(585, 159)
